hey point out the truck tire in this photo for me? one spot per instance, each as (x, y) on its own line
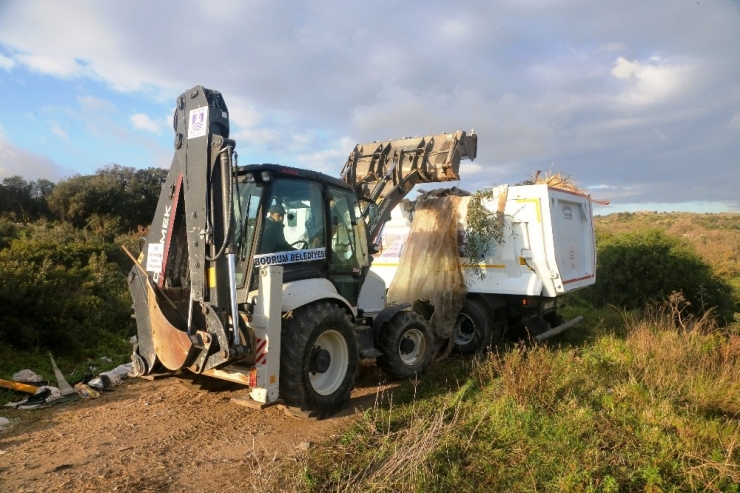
(407, 345)
(473, 328)
(319, 359)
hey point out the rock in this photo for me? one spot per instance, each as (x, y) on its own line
(304, 446)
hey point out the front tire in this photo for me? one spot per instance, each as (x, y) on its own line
(318, 360)
(407, 345)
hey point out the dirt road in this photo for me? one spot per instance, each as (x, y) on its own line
(174, 434)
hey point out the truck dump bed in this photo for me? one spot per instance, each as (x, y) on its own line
(548, 247)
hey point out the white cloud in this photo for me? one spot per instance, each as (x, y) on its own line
(142, 121)
(6, 63)
(624, 69)
(15, 160)
(62, 67)
(329, 161)
(58, 131)
(652, 82)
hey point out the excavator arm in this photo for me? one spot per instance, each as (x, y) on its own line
(383, 173)
(183, 284)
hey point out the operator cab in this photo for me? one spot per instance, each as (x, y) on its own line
(281, 216)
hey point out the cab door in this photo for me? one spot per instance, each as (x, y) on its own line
(347, 244)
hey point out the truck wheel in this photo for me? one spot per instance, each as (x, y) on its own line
(318, 360)
(472, 329)
(406, 344)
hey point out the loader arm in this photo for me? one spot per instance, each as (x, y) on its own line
(385, 172)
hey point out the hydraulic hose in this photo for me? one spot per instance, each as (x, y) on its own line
(228, 198)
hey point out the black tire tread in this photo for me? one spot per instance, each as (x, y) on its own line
(300, 328)
(479, 315)
(388, 341)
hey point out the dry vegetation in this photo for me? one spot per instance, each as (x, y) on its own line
(648, 401)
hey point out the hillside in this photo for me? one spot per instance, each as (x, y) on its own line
(715, 237)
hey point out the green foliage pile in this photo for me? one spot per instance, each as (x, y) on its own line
(634, 268)
(640, 407)
(483, 229)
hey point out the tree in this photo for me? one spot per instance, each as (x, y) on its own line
(23, 200)
(114, 195)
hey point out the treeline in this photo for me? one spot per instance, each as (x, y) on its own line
(114, 200)
(62, 269)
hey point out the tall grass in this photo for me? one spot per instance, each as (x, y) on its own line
(649, 406)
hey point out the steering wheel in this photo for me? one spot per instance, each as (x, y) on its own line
(304, 242)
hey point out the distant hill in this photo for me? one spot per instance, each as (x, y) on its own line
(716, 237)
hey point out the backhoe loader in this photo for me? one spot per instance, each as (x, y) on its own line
(259, 274)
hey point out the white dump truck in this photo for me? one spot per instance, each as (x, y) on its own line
(548, 249)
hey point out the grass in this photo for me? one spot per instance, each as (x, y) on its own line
(638, 405)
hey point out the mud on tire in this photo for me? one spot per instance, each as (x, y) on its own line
(407, 345)
(319, 359)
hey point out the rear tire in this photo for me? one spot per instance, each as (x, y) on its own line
(407, 345)
(473, 328)
(319, 359)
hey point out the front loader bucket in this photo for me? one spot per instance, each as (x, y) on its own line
(375, 169)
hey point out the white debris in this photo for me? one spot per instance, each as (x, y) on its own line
(109, 379)
(27, 376)
(55, 393)
(133, 340)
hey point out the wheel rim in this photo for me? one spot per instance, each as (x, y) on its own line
(464, 330)
(326, 382)
(412, 356)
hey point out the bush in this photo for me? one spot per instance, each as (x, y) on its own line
(648, 265)
(59, 291)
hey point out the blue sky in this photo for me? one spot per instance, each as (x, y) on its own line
(639, 101)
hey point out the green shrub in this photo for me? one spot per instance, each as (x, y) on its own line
(59, 291)
(648, 265)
